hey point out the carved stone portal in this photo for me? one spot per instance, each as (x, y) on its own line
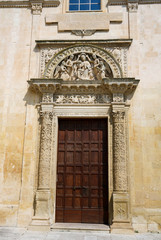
(80, 82)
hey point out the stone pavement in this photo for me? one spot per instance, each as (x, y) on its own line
(24, 234)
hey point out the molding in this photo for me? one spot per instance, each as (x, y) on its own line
(112, 42)
(116, 87)
(56, 3)
(27, 4)
(125, 2)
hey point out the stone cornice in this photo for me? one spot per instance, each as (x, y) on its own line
(121, 85)
(27, 4)
(125, 2)
(113, 42)
(55, 3)
(107, 86)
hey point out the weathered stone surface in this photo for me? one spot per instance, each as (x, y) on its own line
(20, 127)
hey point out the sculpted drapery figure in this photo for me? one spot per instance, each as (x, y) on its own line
(82, 67)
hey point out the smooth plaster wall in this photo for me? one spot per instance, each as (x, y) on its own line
(145, 121)
(19, 124)
(15, 32)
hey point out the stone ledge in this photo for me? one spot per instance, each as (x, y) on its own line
(113, 42)
(27, 4)
(80, 227)
(124, 2)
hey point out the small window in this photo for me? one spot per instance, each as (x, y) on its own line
(84, 5)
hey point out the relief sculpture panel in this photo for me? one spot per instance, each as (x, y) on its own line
(82, 62)
(82, 67)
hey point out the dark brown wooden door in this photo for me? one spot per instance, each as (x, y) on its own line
(82, 171)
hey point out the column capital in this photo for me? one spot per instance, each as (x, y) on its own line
(118, 116)
(36, 6)
(47, 115)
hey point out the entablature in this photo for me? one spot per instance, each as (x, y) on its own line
(105, 91)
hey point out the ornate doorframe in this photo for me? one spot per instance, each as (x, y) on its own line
(106, 97)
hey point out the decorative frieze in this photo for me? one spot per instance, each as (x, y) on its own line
(47, 97)
(118, 97)
(81, 99)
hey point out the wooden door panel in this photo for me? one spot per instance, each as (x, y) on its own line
(74, 216)
(82, 184)
(90, 215)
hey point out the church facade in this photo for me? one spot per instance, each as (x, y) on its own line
(80, 113)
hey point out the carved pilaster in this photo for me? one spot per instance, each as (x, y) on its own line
(45, 150)
(43, 195)
(121, 218)
(119, 165)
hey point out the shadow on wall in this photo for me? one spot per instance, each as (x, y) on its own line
(32, 98)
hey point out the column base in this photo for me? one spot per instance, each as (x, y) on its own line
(39, 224)
(122, 228)
(41, 218)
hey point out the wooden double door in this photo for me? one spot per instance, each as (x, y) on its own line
(82, 171)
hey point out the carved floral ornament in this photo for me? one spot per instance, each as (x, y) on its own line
(82, 63)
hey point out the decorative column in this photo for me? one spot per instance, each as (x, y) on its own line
(119, 153)
(43, 195)
(121, 216)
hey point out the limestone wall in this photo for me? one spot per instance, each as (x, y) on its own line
(145, 120)
(19, 124)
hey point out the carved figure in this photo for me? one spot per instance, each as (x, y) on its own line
(84, 68)
(71, 67)
(62, 72)
(101, 71)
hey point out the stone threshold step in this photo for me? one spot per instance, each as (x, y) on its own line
(80, 227)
